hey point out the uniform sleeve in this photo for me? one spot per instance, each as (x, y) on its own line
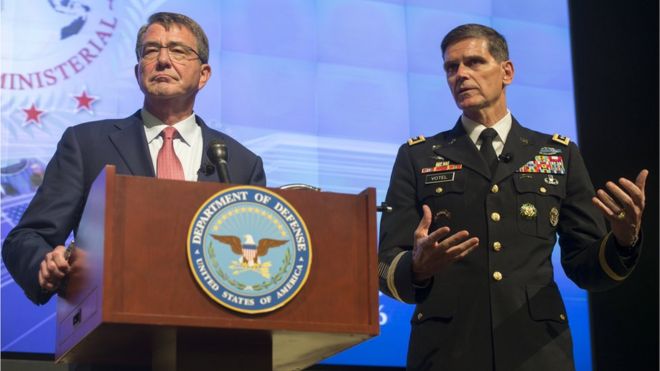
(49, 219)
(396, 233)
(590, 256)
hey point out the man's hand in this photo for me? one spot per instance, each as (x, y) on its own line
(53, 269)
(433, 252)
(624, 210)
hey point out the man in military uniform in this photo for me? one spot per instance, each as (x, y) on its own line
(492, 197)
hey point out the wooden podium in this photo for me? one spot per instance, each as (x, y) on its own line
(132, 299)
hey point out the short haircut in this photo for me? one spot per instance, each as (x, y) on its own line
(497, 45)
(167, 20)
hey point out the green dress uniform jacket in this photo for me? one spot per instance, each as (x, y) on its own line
(498, 308)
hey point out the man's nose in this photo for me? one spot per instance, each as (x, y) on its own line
(163, 57)
(462, 71)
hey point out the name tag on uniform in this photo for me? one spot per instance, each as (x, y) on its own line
(440, 177)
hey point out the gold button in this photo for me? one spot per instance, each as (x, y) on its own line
(495, 217)
(494, 188)
(543, 190)
(497, 246)
(419, 316)
(562, 317)
(497, 276)
(439, 190)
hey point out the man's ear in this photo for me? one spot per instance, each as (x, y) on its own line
(204, 76)
(508, 72)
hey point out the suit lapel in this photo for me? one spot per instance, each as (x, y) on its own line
(457, 146)
(521, 149)
(207, 136)
(131, 143)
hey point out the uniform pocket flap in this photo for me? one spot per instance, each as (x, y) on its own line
(452, 184)
(541, 184)
(441, 305)
(545, 303)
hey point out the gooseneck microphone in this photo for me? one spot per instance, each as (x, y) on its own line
(217, 153)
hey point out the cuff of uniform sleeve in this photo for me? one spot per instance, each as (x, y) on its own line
(422, 290)
(615, 260)
(422, 285)
(628, 251)
(400, 280)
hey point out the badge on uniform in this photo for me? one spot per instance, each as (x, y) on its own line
(554, 216)
(443, 166)
(550, 151)
(528, 211)
(561, 139)
(442, 215)
(440, 177)
(544, 164)
(551, 180)
(416, 140)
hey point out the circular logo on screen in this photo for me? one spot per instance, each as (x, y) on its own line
(249, 249)
(50, 42)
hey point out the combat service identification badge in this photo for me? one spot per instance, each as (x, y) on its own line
(249, 249)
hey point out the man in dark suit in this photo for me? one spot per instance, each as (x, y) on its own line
(492, 197)
(164, 139)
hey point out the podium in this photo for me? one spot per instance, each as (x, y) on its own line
(132, 299)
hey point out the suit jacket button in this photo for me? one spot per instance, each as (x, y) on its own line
(497, 246)
(495, 217)
(562, 317)
(439, 190)
(419, 316)
(494, 188)
(543, 190)
(497, 276)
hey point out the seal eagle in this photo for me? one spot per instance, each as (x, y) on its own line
(249, 251)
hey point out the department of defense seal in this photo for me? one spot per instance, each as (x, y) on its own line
(249, 249)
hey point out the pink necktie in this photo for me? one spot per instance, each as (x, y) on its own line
(169, 166)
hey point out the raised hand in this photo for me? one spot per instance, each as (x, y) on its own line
(433, 252)
(623, 206)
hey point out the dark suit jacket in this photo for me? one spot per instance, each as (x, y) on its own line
(499, 307)
(81, 154)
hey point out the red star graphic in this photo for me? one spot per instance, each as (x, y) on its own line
(85, 102)
(33, 115)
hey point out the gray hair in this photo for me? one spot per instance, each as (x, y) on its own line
(497, 45)
(167, 20)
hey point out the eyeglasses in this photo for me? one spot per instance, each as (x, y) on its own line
(176, 52)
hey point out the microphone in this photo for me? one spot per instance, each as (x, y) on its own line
(206, 169)
(384, 208)
(506, 157)
(217, 153)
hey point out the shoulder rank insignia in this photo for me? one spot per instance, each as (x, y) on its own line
(416, 140)
(561, 139)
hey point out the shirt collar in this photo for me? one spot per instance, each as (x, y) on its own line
(153, 126)
(474, 129)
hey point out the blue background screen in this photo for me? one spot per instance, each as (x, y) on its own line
(323, 90)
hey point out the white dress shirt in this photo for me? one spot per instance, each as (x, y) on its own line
(188, 143)
(502, 127)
